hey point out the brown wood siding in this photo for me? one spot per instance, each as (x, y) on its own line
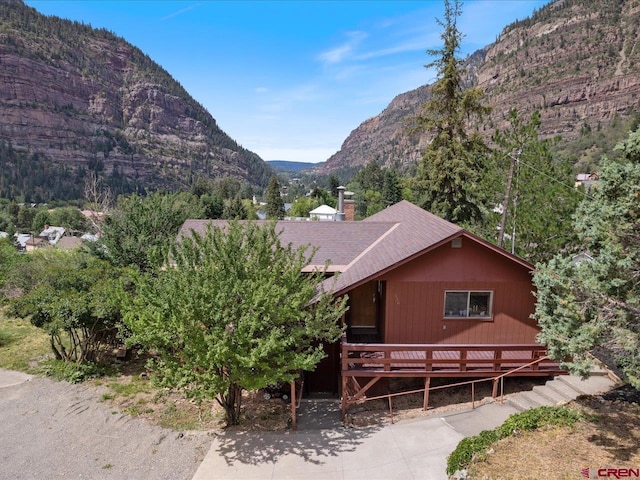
(415, 298)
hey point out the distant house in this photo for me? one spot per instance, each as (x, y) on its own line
(581, 257)
(52, 234)
(323, 213)
(33, 243)
(69, 243)
(420, 289)
(587, 180)
(21, 239)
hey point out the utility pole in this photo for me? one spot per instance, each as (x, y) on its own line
(507, 196)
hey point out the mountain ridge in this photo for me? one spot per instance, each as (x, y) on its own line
(83, 99)
(576, 61)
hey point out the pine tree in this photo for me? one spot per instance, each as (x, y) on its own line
(235, 210)
(275, 205)
(453, 162)
(538, 199)
(391, 188)
(595, 304)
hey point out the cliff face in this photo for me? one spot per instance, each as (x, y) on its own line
(82, 98)
(576, 61)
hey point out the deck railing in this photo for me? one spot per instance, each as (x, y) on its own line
(375, 361)
(443, 360)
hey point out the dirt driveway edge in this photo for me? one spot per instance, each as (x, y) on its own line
(59, 430)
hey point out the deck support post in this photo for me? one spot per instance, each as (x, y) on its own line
(294, 423)
(344, 396)
(427, 384)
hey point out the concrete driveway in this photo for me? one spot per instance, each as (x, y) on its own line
(413, 449)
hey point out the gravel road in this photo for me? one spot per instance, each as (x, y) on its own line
(55, 430)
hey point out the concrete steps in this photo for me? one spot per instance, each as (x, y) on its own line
(561, 389)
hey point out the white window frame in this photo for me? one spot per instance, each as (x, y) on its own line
(468, 313)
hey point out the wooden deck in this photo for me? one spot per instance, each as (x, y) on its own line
(418, 360)
(370, 362)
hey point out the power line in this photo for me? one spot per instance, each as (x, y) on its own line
(570, 187)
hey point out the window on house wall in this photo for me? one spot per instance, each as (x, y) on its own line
(467, 304)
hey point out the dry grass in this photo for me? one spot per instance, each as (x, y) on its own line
(440, 400)
(610, 438)
(22, 344)
(133, 393)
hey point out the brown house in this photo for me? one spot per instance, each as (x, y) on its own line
(421, 290)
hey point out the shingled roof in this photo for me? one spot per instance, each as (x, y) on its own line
(338, 243)
(414, 231)
(363, 250)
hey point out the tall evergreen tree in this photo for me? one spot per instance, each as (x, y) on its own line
(391, 188)
(275, 204)
(453, 162)
(538, 199)
(595, 304)
(334, 183)
(235, 210)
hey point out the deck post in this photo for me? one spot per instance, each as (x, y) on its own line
(344, 396)
(427, 384)
(294, 423)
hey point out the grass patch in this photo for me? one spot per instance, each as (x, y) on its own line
(21, 344)
(188, 416)
(476, 447)
(130, 388)
(75, 372)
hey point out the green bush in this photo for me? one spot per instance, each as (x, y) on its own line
(75, 372)
(471, 447)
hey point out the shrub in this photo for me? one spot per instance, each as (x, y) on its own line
(75, 372)
(476, 447)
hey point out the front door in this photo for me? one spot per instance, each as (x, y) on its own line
(325, 379)
(366, 313)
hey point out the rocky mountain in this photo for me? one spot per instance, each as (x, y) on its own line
(576, 61)
(75, 99)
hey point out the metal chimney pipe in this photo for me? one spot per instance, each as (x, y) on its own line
(340, 212)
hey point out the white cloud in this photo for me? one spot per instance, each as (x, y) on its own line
(344, 51)
(181, 11)
(419, 43)
(261, 90)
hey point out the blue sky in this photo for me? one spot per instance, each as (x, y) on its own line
(290, 80)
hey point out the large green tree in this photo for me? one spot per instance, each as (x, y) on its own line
(275, 204)
(233, 313)
(141, 229)
(531, 177)
(595, 304)
(453, 162)
(234, 209)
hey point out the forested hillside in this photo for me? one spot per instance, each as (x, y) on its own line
(75, 99)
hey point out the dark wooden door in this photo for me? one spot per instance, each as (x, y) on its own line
(325, 379)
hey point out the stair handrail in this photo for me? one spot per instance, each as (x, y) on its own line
(502, 376)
